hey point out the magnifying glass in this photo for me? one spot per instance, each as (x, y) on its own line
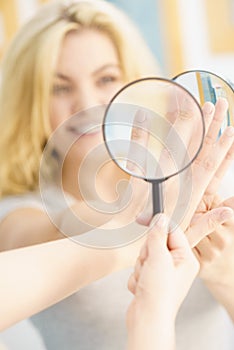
(153, 129)
(207, 86)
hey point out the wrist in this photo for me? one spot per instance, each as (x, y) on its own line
(155, 334)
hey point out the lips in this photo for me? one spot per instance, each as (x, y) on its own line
(86, 122)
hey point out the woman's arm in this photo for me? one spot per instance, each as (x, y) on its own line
(35, 277)
(25, 227)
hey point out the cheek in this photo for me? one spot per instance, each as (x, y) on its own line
(111, 91)
(88, 151)
(59, 112)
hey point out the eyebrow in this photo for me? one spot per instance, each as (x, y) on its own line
(106, 66)
(97, 71)
(62, 76)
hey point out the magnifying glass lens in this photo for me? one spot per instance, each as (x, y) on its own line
(207, 86)
(153, 128)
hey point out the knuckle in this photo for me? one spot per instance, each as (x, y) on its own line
(185, 115)
(209, 141)
(230, 155)
(136, 133)
(198, 160)
(224, 141)
(209, 163)
(226, 138)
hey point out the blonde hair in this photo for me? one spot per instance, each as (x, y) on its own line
(27, 72)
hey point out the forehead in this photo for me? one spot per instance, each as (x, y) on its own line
(87, 50)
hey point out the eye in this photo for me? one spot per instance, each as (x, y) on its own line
(60, 89)
(107, 79)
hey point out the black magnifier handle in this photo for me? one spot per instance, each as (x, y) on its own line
(157, 193)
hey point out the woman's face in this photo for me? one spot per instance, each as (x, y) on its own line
(88, 74)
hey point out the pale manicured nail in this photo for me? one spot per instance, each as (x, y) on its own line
(223, 100)
(140, 116)
(230, 131)
(160, 220)
(208, 108)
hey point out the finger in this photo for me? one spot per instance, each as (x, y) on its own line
(207, 223)
(229, 202)
(145, 216)
(214, 127)
(181, 252)
(221, 108)
(137, 154)
(207, 166)
(208, 110)
(221, 238)
(157, 236)
(225, 165)
(186, 120)
(219, 150)
(177, 241)
(207, 252)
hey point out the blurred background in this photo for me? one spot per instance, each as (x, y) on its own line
(183, 35)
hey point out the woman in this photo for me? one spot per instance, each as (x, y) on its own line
(69, 60)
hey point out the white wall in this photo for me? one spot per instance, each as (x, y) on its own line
(196, 44)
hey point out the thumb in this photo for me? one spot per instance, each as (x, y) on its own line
(177, 241)
(207, 223)
(157, 235)
(145, 217)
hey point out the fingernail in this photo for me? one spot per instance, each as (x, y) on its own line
(223, 100)
(140, 116)
(230, 131)
(226, 214)
(208, 108)
(160, 220)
